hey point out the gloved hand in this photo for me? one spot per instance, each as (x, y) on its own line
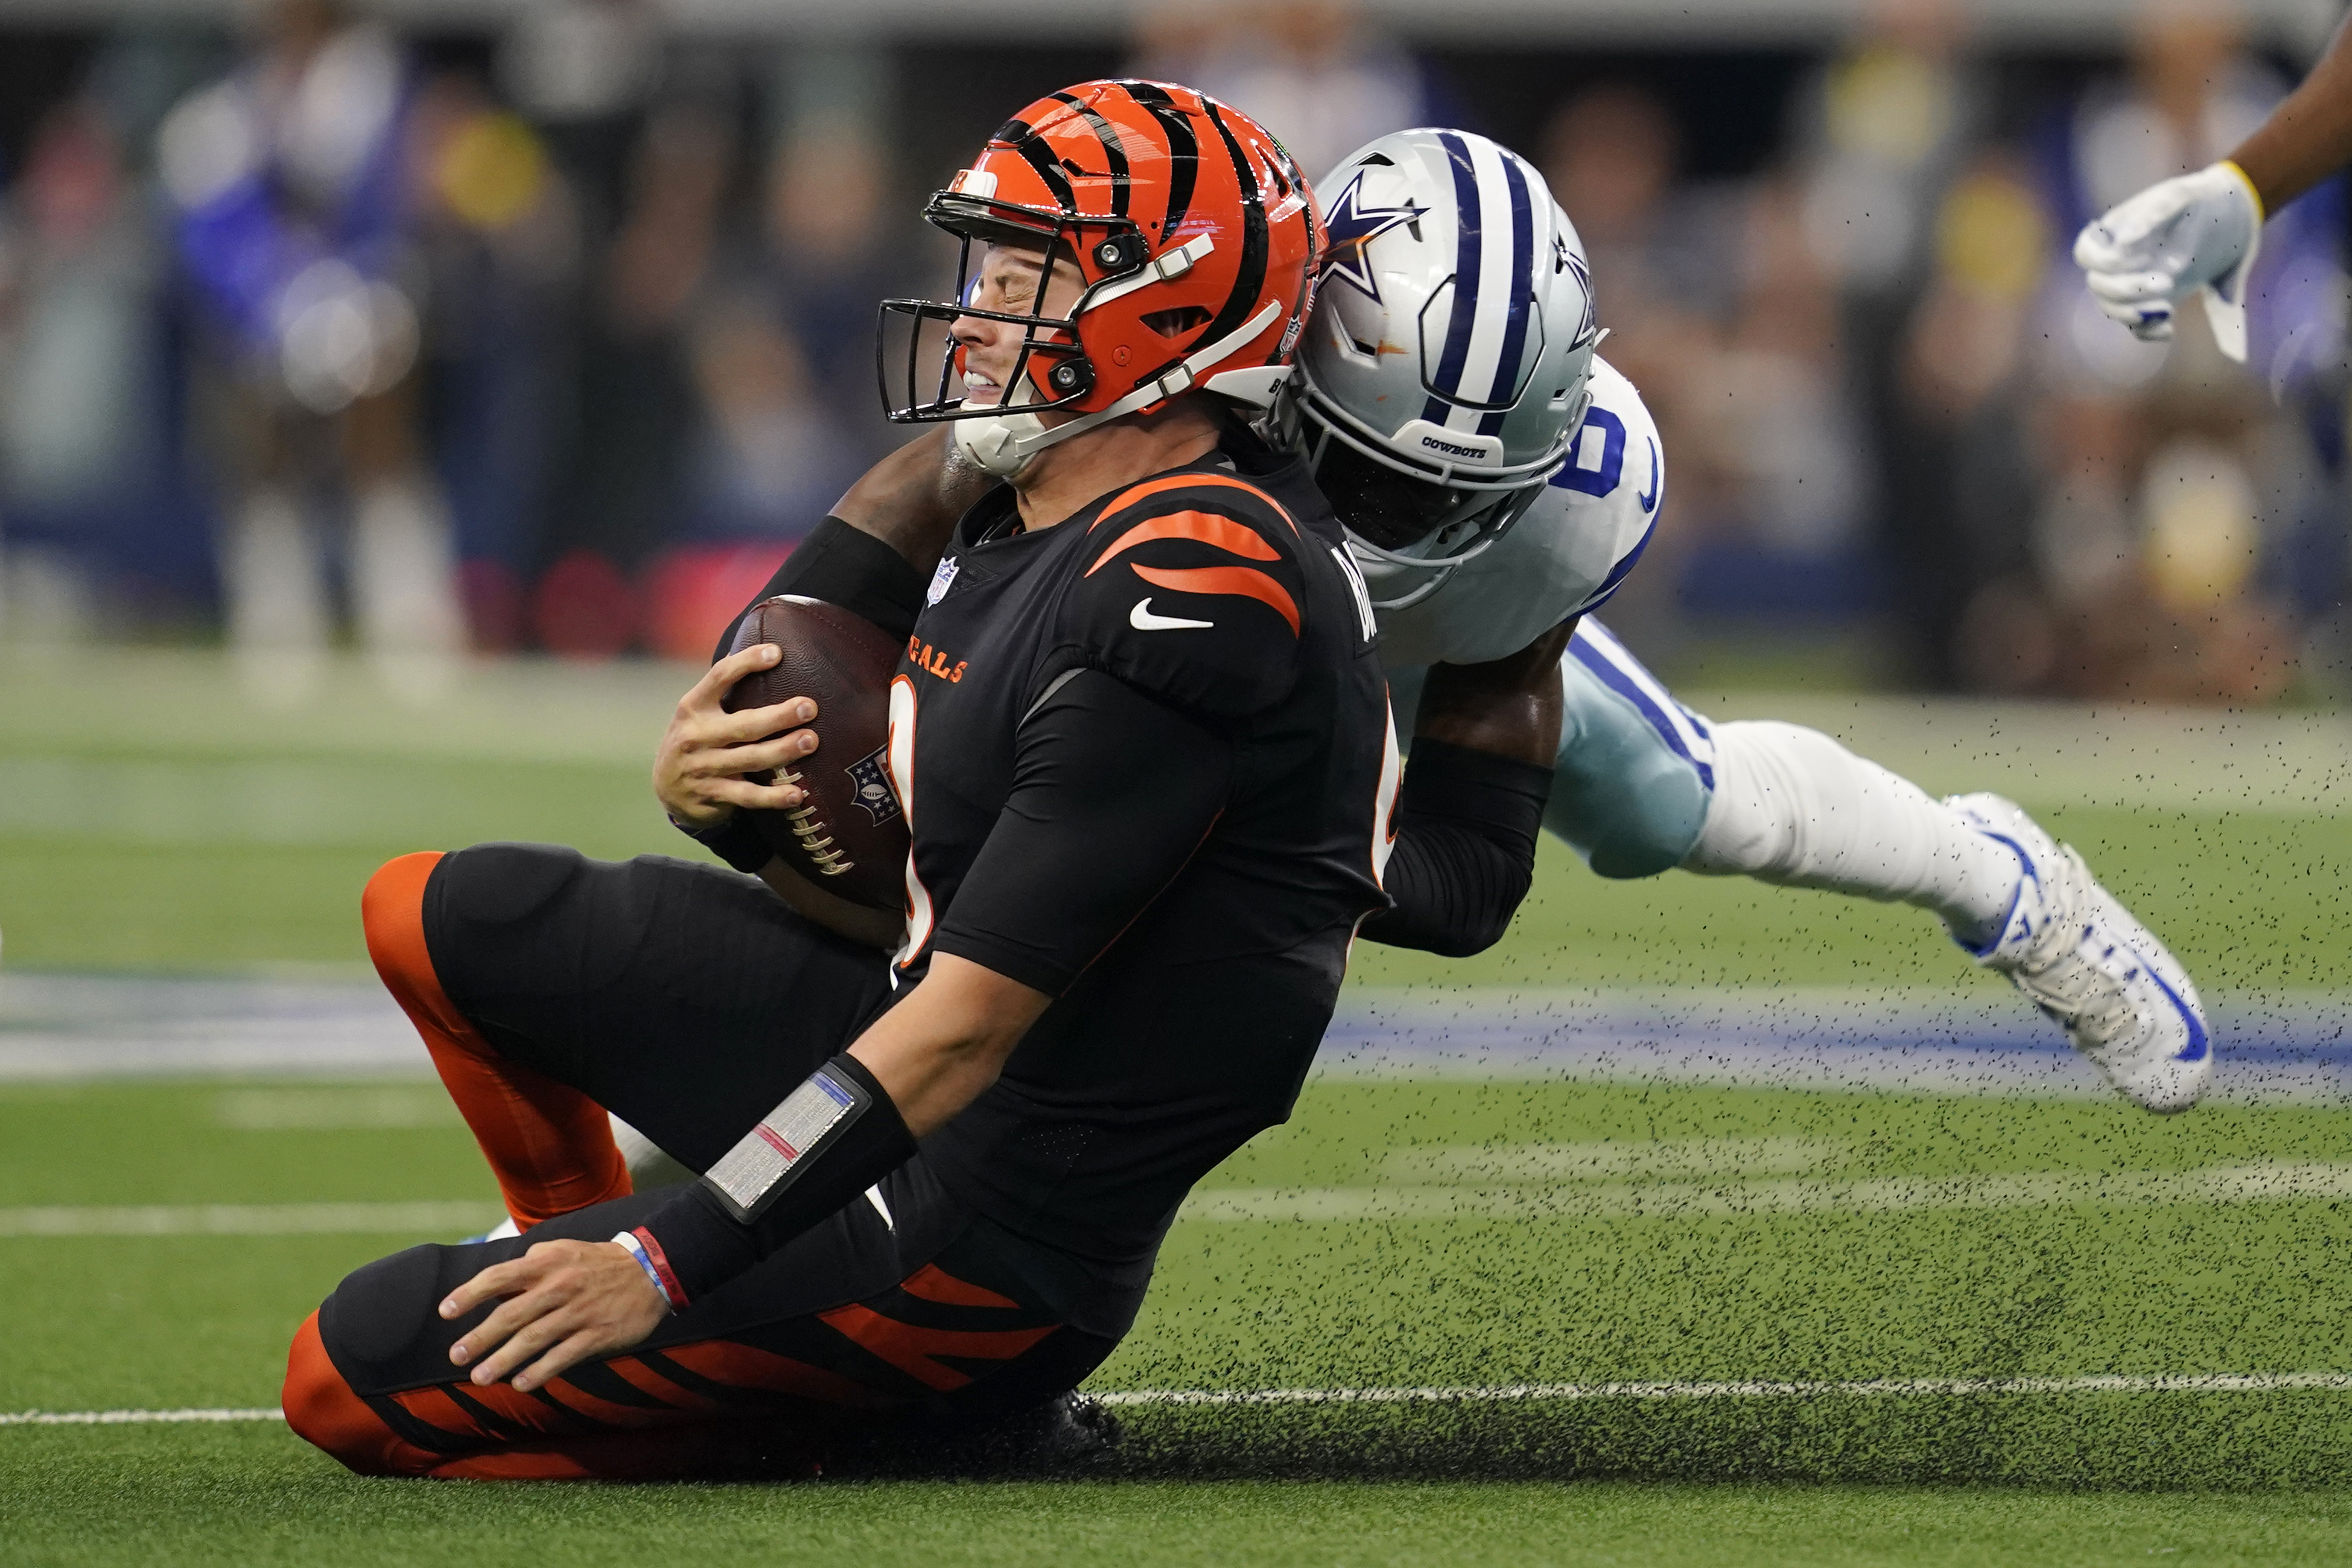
(2147, 253)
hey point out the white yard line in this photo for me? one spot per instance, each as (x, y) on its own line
(1505, 1394)
(1913, 1387)
(449, 1219)
(2262, 1182)
(131, 1417)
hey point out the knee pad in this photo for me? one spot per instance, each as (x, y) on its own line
(499, 884)
(382, 1328)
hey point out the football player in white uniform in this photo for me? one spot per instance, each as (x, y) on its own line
(1499, 481)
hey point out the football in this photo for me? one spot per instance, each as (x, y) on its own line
(849, 836)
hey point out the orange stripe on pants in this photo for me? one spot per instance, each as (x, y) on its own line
(549, 1144)
(321, 1409)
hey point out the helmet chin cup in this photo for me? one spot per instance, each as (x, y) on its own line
(1434, 570)
(994, 446)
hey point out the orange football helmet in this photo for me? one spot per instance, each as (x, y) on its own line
(1197, 244)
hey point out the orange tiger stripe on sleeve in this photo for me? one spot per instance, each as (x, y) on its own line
(1245, 581)
(1151, 488)
(1203, 527)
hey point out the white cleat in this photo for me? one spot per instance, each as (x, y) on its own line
(2078, 954)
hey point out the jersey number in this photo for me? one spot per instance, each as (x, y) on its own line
(1384, 801)
(901, 759)
(1597, 481)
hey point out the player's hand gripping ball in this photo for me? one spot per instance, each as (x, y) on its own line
(848, 835)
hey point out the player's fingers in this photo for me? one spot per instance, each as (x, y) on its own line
(2109, 247)
(581, 1346)
(705, 693)
(514, 1313)
(759, 723)
(528, 1341)
(2095, 250)
(757, 797)
(707, 771)
(499, 1279)
(2131, 287)
(776, 751)
(2152, 321)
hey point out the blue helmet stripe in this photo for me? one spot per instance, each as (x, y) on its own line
(1448, 380)
(1515, 323)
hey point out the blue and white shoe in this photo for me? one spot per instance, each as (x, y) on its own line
(2078, 954)
(498, 1232)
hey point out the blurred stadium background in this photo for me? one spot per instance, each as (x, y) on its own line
(544, 325)
(394, 401)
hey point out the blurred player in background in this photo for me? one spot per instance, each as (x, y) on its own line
(291, 180)
(1148, 808)
(2200, 234)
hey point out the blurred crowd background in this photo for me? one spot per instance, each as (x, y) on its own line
(551, 334)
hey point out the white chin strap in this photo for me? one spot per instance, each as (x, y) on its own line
(1004, 445)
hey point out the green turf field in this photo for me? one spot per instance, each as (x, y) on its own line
(2008, 1276)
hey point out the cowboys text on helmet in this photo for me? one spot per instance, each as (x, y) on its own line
(1450, 347)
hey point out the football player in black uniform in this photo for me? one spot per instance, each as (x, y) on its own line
(1147, 774)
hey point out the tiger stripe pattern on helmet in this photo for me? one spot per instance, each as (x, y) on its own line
(1194, 236)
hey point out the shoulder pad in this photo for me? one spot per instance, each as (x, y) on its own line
(1615, 478)
(1192, 590)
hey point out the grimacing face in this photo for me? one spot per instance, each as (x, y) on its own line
(1006, 279)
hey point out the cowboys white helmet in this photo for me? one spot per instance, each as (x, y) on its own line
(1450, 347)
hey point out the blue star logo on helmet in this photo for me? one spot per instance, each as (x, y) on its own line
(1352, 227)
(1590, 325)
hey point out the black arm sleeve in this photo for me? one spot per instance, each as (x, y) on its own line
(703, 1245)
(734, 841)
(1112, 792)
(1465, 848)
(848, 567)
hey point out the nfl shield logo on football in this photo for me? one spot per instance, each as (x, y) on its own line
(940, 580)
(875, 794)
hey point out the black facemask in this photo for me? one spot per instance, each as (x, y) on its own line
(1385, 507)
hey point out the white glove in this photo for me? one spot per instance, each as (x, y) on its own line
(2147, 253)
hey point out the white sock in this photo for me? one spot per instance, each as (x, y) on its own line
(1795, 809)
(277, 621)
(404, 589)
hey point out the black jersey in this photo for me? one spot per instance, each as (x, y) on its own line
(1187, 1011)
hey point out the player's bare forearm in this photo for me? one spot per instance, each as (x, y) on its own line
(911, 499)
(2308, 137)
(937, 1051)
(1511, 708)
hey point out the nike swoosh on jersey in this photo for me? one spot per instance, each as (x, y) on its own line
(1650, 501)
(1143, 620)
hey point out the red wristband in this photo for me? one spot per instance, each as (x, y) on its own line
(660, 1261)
